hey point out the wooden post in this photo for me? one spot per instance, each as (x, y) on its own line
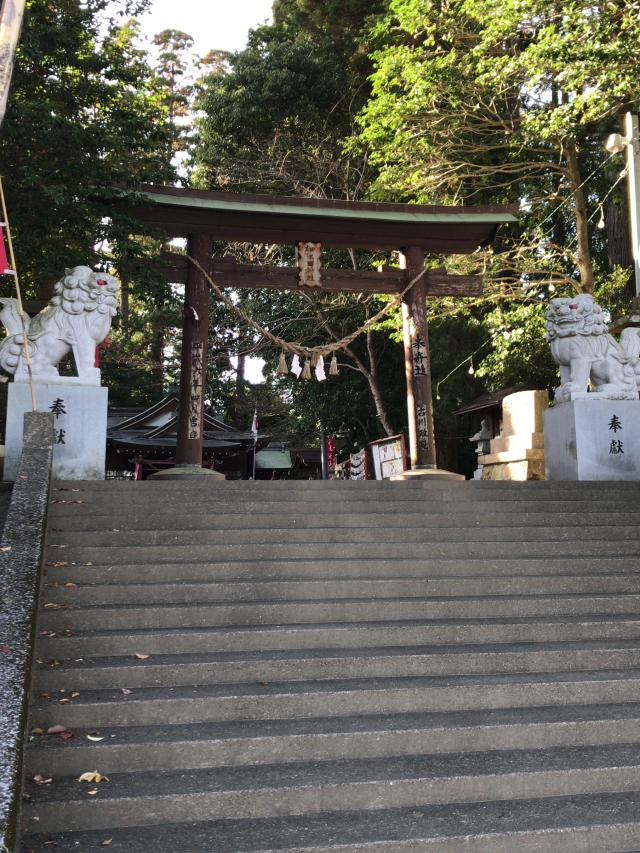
(417, 362)
(193, 365)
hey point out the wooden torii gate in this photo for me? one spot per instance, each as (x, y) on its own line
(413, 230)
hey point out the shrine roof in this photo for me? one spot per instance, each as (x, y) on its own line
(177, 211)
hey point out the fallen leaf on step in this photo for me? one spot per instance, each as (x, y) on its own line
(94, 738)
(56, 730)
(126, 691)
(74, 695)
(64, 701)
(58, 563)
(140, 656)
(69, 585)
(6, 548)
(93, 792)
(66, 735)
(106, 842)
(50, 605)
(40, 780)
(38, 732)
(93, 776)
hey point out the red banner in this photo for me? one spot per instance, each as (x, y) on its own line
(4, 263)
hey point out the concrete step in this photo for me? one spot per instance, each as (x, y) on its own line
(122, 617)
(138, 522)
(299, 699)
(356, 550)
(105, 511)
(183, 592)
(578, 824)
(305, 788)
(62, 571)
(205, 745)
(106, 643)
(478, 532)
(331, 664)
(367, 667)
(387, 491)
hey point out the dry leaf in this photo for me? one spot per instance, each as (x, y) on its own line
(69, 585)
(106, 842)
(74, 695)
(94, 738)
(126, 691)
(6, 548)
(38, 732)
(40, 780)
(66, 735)
(93, 792)
(93, 776)
(56, 730)
(140, 656)
(50, 605)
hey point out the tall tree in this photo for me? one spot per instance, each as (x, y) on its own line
(82, 116)
(478, 99)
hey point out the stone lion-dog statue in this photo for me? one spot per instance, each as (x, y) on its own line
(76, 320)
(586, 353)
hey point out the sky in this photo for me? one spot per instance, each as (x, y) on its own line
(214, 24)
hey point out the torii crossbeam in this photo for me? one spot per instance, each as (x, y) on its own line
(413, 230)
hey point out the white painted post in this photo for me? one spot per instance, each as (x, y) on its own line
(633, 179)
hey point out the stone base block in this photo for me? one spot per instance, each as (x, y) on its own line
(80, 428)
(187, 472)
(509, 443)
(524, 469)
(592, 439)
(521, 455)
(428, 474)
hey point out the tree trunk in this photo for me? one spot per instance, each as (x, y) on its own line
(585, 264)
(619, 242)
(124, 301)
(370, 375)
(157, 358)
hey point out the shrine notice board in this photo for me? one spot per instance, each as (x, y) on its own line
(389, 456)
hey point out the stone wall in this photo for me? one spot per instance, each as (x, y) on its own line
(21, 553)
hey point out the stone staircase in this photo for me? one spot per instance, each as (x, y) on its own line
(338, 666)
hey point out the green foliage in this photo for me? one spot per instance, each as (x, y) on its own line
(274, 122)
(82, 116)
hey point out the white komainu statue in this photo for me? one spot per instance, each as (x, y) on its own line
(586, 352)
(77, 319)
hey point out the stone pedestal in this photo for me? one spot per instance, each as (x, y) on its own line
(80, 427)
(518, 454)
(593, 439)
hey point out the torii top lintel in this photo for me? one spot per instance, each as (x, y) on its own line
(242, 217)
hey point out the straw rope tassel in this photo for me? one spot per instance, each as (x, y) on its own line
(333, 367)
(283, 368)
(306, 373)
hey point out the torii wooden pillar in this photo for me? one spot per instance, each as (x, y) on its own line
(193, 364)
(417, 362)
